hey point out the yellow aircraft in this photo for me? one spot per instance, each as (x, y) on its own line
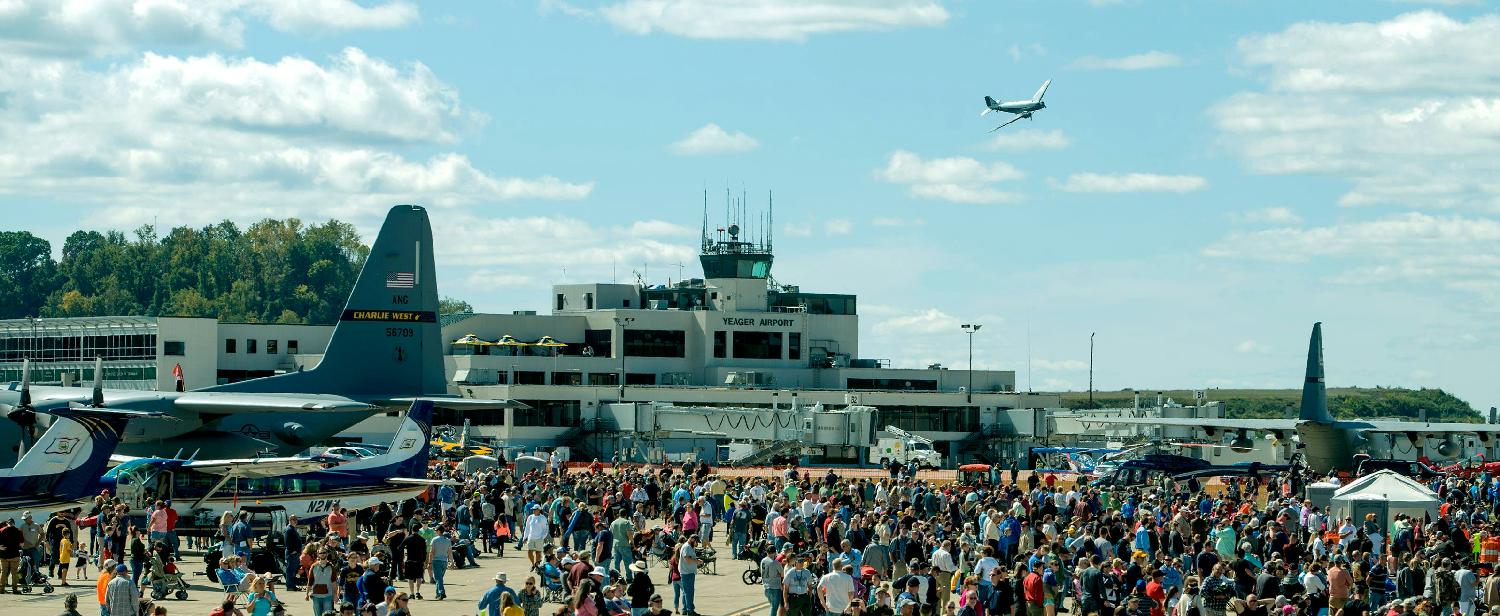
(460, 448)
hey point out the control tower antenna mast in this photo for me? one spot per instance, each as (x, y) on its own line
(770, 218)
(704, 240)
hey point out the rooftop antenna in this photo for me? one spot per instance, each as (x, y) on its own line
(770, 219)
(705, 217)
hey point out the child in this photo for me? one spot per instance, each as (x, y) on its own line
(80, 562)
(64, 557)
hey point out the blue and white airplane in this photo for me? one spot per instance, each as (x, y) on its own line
(62, 470)
(1022, 109)
(202, 490)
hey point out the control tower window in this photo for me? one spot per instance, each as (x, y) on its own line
(720, 342)
(757, 345)
(588, 301)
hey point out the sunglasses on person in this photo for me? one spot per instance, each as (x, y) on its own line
(531, 583)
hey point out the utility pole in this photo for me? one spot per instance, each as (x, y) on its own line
(1091, 369)
(620, 348)
(970, 328)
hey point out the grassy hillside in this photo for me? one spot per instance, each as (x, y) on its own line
(1346, 403)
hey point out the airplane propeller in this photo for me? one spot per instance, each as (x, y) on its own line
(23, 413)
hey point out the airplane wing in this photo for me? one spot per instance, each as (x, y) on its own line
(406, 481)
(1012, 121)
(218, 403)
(1042, 91)
(1450, 427)
(256, 467)
(462, 403)
(1206, 424)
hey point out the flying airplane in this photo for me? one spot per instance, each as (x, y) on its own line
(386, 351)
(62, 470)
(1327, 444)
(1022, 109)
(202, 490)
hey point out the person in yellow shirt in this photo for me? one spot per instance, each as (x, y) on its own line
(64, 557)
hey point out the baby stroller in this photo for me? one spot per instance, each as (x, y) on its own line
(31, 576)
(169, 581)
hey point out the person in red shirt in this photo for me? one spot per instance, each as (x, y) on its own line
(1035, 594)
(172, 529)
(1157, 593)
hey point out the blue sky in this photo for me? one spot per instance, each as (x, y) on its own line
(1208, 180)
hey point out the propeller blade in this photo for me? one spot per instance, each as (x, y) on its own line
(1005, 124)
(26, 383)
(98, 399)
(986, 112)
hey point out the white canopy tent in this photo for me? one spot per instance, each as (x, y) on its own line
(1385, 494)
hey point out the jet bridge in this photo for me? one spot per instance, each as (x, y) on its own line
(817, 429)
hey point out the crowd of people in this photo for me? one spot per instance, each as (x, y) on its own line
(633, 539)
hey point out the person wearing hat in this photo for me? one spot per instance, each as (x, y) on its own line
(797, 588)
(106, 571)
(490, 602)
(120, 596)
(771, 572)
(372, 583)
(534, 533)
(641, 588)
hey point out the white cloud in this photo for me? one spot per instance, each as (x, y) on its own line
(1406, 110)
(796, 230)
(1029, 139)
(838, 226)
(1457, 253)
(1136, 62)
(536, 245)
(893, 221)
(711, 139)
(778, 20)
(1132, 182)
(182, 133)
(71, 28)
(658, 228)
(1060, 365)
(908, 168)
(486, 278)
(1269, 216)
(929, 321)
(958, 179)
(1251, 346)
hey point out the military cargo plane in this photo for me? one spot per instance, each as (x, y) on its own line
(385, 352)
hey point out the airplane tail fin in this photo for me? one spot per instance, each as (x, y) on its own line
(1314, 391)
(989, 105)
(1040, 92)
(70, 456)
(409, 450)
(387, 342)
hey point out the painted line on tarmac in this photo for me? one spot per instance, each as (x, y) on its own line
(750, 611)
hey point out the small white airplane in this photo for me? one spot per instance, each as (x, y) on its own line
(1022, 109)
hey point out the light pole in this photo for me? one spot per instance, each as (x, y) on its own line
(970, 328)
(1091, 369)
(621, 322)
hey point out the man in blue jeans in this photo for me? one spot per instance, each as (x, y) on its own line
(437, 559)
(771, 572)
(687, 565)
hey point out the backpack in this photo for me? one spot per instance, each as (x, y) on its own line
(1447, 586)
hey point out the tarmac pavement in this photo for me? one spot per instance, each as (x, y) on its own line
(721, 594)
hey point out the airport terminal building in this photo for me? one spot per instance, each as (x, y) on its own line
(733, 338)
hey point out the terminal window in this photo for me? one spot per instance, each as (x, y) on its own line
(249, 345)
(291, 346)
(757, 345)
(720, 342)
(173, 347)
(794, 345)
(270, 347)
(655, 343)
(229, 344)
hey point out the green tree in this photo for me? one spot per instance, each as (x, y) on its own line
(452, 305)
(27, 274)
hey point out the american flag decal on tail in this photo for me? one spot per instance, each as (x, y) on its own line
(400, 280)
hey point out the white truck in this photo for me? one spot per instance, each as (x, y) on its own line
(902, 446)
